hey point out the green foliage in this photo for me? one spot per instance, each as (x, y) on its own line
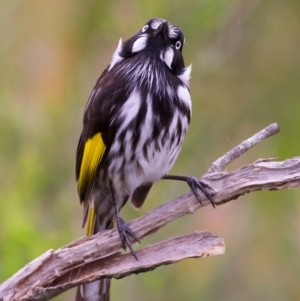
(51, 54)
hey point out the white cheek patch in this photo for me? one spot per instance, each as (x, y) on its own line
(139, 44)
(186, 75)
(167, 56)
(116, 56)
(184, 95)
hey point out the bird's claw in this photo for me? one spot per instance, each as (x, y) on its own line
(124, 231)
(194, 183)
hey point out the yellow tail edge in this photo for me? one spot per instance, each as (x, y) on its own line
(91, 221)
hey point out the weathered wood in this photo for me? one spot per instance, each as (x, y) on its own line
(97, 256)
(57, 271)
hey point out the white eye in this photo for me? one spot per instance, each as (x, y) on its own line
(145, 28)
(178, 45)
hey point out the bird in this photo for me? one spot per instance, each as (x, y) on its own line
(134, 124)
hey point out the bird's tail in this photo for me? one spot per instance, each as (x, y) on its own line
(99, 289)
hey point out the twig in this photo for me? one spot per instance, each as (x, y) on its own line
(237, 151)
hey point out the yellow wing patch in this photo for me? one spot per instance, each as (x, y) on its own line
(92, 154)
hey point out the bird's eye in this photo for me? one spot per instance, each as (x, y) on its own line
(178, 45)
(145, 28)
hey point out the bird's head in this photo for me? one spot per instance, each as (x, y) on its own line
(158, 39)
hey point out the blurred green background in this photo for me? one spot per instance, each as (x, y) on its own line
(246, 75)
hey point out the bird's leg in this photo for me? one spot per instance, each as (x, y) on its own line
(194, 183)
(124, 230)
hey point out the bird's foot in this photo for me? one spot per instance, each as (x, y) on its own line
(124, 232)
(195, 184)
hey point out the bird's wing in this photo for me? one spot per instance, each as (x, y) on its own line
(97, 135)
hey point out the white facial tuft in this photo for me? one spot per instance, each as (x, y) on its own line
(139, 44)
(173, 30)
(167, 56)
(116, 56)
(155, 23)
(186, 75)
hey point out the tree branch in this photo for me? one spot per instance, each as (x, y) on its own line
(237, 151)
(98, 256)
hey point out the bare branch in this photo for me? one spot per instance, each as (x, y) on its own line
(98, 256)
(57, 271)
(237, 151)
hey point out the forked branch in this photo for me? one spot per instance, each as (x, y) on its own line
(98, 256)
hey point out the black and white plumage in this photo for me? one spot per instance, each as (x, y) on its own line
(134, 125)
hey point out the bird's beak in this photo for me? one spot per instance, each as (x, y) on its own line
(163, 30)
